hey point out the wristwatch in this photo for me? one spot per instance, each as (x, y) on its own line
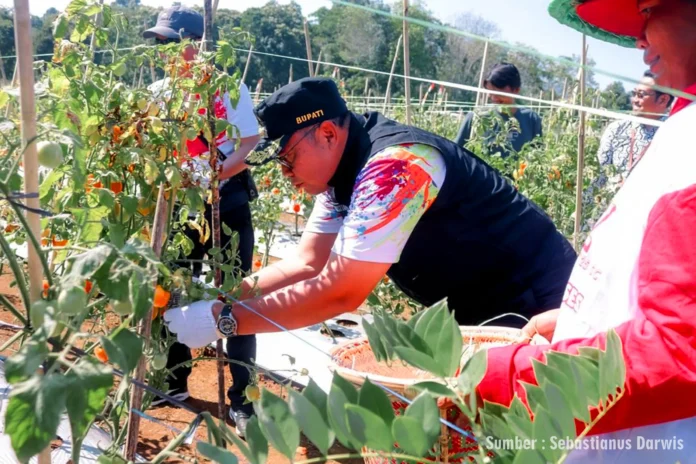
(226, 323)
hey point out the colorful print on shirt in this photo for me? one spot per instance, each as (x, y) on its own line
(392, 192)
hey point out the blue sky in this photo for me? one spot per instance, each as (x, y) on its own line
(524, 21)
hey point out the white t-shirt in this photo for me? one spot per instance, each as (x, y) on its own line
(392, 191)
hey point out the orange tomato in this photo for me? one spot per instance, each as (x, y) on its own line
(116, 187)
(296, 207)
(101, 355)
(45, 288)
(155, 313)
(9, 228)
(88, 286)
(161, 297)
(276, 191)
(117, 133)
(58, 243)
(258, 263)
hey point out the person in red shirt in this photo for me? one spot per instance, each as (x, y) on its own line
(636, 273)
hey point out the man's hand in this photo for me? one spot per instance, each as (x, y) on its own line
(543, 324)
(194, 325)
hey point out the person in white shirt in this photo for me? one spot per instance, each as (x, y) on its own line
(237, 189)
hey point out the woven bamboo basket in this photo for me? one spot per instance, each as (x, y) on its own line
(354, 361)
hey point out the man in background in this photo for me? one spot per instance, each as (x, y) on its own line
(624, 143)
(236, 191)
(505, 77)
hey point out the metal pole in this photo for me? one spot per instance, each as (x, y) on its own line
(27, 105)
(581, 149)
(407, 67)
(387, 96)
(483, 70)
(308, 44)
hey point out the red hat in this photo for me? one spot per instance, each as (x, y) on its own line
(614, 21)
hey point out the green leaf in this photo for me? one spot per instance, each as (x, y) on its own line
(369, 429)
(92, 10)
(520, 426)
(545, 428)
(561, 363)
(226, 229)
(111, 460)
(75, 7)
(141, 295)
(33, 414)
(496, 427)
(518, 409)
(90, 385)
(258, 445)
(430, 324)
(49, 181)
(221, 125)
(26, 361)
(412, 339)
(589, 352)
(117, 234)
(373, 337)
(277, 423)
(374, 399)
(535, 396)
(337, 415)
(419, 360)
(86, 264)
(529, 456)
(562, 414)
(60, 26)
(346, 387)
(436, 389)
(123, 348)
(89, 221)
(589, 378)
(216, 454)
(449, 346)
(129, 204)
(311, 421)
(612, 371)
(106, 197)
(414, 320)
(318, 398)
(409, 435)
(473, 372)
(424, 410)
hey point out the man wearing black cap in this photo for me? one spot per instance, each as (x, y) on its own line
(236, 190)
(395, 200)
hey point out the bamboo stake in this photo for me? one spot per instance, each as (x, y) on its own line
(27, 105)
(316, 70)
(2, 72)
(482, 73)
(581, 150)
(248, 63)
(215, 214)
(290, 74)
(387, 96)
(308, 44)
(145, 329)
(407, 66)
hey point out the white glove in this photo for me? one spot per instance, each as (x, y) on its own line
(194, 325)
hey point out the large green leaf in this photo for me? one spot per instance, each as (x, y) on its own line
(545, 430)
(449, 346)
(562, 414)
(590, 380)
(409, 435)
(419, 360)
(337, 415)
(561, 363)
(86, 264)
(535, 396)
(26, 361)
(89, 221)
(258, 445)
(215, 453)
(412, 339)
(311, 421)
(473, 372)
(346, 387)
(33, 413)
(278, 424)
(124, 348)
(375, 340)
(436, 389)
(529, 456)
(581, 389)
(424, 410)
(90, 383)
(374, 399)
(141, 295)
(612, 371)
(369, 429)
(318, 398)
(520, 426)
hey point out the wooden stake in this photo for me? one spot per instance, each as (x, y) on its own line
(290, 74)
(145, 328)
(27, 105)
(308, 44)
(581, 149)
(215, 214)
(407, 67)
(482, 73)
(248, 63)
(316, 70)
(387, 95)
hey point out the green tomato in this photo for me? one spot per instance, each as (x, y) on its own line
(50, 154)
(38, 312)
(142, 104)
(122, 308)
(72, 301)
(120, 69)
(159, 361)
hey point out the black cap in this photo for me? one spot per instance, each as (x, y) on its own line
(175, 22)
(297, 105)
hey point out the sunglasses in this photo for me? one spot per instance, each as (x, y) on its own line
(641, 93)
(270, 153)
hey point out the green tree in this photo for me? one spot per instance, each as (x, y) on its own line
(615, 97)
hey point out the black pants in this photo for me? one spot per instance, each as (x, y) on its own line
(241, 349)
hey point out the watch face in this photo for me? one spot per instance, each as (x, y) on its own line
(227, 326)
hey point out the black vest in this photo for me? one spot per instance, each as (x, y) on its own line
(481, 244)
